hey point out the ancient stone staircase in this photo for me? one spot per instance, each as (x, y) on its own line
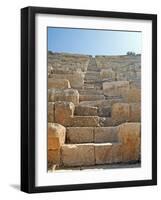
(95, 121)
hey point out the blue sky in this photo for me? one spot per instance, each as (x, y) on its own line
(93, 42)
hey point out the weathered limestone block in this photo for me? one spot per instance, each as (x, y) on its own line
(80, 135)
(70, 95)
(107, 153)
(56, 135)
(51, 115)
(92, 75)
(120, 112)
(108, 74)
(77, 154)
(64, 111)
(135, 112)
(133, 95)
(129, 135)
(104, 111)
(117, 152)
(91, 97)
(54, 156)
(125, 112)
(86, 111)
(85, 121)
(90, 92)
(56, 138)
(107, 121)
(58, 83)
(105, 134)
(101, 103)
(116, 88)
(76, 79)
(103, 153)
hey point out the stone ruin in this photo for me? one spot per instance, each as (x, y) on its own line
(94, 109)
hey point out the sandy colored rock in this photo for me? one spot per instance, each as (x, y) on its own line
(58, 83)
(77, 154)
(86, 111)
(56, 138)
(108, 74)
(91, 97)
(76, 79)
(104, 111)
(80, 135)
(116, 88)
(70, 95)
(133, 95)
(64, 111)
(103, 153)
(135, 112)
(129, 135)
(107, 122)
(51, 115)
(56, 135)
(54, 156)
(101, 103)
(105, 134)
(85, 121)
(107, 153)
(120, 112)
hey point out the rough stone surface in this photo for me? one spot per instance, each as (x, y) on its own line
(56, 138)
(101, 103)
(120, 112)
(58, 83)
(116, 88)
(69, 95)
(80, 135)
(105, 134)
(86, 111)
(108, 74)
(91, 97)
(85, 121)
(77, 154)
(104, 111)
(107, 121)
(125, 112)
(76, 79)
(64, 111)
(130, 137)
(54, 156)
(56, 135)
(133, 95)
(135, 112)
(107, 153)
(51, 115)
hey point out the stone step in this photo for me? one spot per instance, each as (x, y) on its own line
(101, 103)
(90, 92)
(85, 121)
(68, 95)
(89, 97)
(90, 154)
(92, 76)
(86, 111)
(94, 81)
(96, 86)
(104, 111)
(92, 73)
(93, 68)
(77, 135)
(107, 121)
